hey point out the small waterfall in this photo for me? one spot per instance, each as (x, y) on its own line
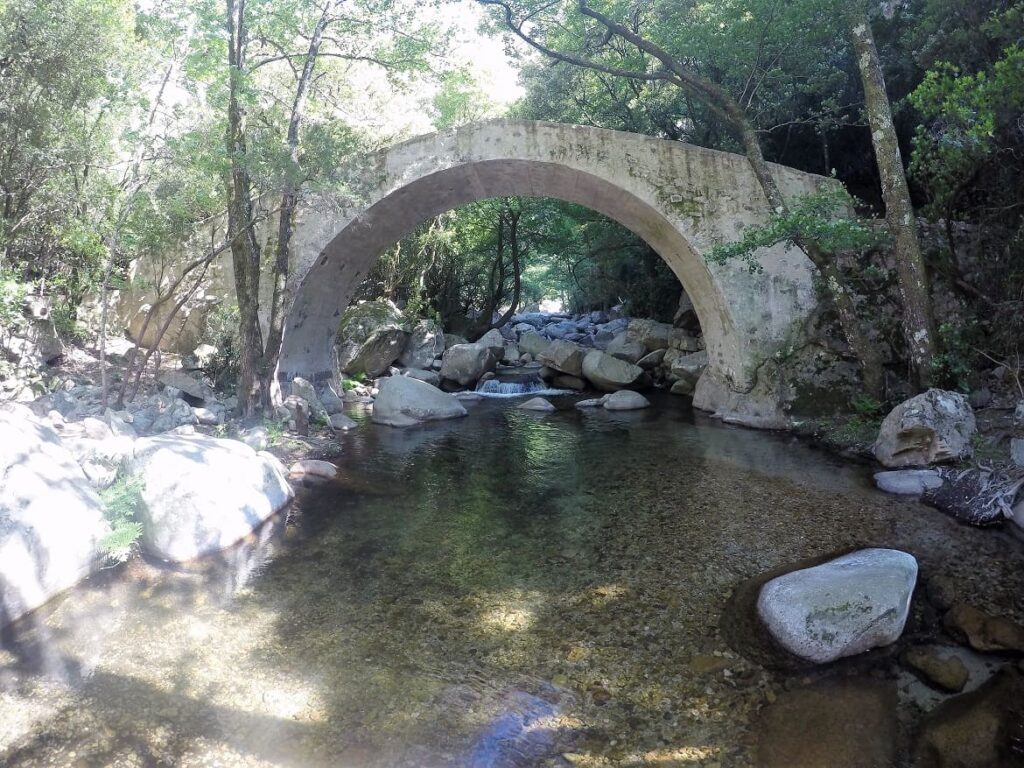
(524, 385)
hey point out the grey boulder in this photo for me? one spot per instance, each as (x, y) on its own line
(405, 402)
(371, 336)
(425, 343)
(840, 608)
(625, 400)
(466, 363)
(935, 426)
(563, 356)
(609, 374)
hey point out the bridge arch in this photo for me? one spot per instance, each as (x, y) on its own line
(680, 199)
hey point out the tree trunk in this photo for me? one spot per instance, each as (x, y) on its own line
(517, 271)
(289, 202)
(918, 320)
(244, 251)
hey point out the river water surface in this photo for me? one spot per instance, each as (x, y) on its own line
(510, 589)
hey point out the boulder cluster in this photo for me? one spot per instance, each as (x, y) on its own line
(576, 352)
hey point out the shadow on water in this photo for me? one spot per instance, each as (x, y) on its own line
(509, 589)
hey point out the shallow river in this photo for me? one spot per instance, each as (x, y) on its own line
(510, 589)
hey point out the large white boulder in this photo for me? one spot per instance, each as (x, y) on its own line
(405, 402)
(930, 428)
(563, 356)
(201, 494)
(466, 363)
(610, 374)
(51, 520)
(840, 608)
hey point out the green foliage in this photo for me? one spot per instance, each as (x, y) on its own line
(221, 331)
(966, 114)
(953, 366)
(867, 407)
(276, 430)
(819, 217)
(120, 502)
(12, 298)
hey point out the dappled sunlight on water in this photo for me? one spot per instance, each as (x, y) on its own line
(502, 590)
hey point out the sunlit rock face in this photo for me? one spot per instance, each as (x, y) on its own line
(840, 608)
(51, 520)
(202, 494)
(680, 199)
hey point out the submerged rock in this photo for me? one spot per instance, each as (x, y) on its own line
(625, 400)
(313, 468)
(981, 631)
(831, 724)
(593, 402)
(537, 404)
(935, 426)
(840, 608)
(341, 422)
(51, 519)
(938, 667)
(202, 494)
(908, 482)
(406, 402)
(980, 729)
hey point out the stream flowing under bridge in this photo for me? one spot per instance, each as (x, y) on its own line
(681, 199)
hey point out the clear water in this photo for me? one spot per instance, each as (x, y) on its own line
(508, 589)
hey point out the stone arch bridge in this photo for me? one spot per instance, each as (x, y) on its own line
(681, 199)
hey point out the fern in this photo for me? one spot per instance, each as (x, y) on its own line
(120, 502)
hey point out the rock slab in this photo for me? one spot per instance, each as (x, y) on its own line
(840, 608)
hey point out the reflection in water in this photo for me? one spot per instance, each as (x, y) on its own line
(501, 590)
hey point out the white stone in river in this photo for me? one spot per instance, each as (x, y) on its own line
(313, 468)
(908, 482)
(840, 608)
(625, 400)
